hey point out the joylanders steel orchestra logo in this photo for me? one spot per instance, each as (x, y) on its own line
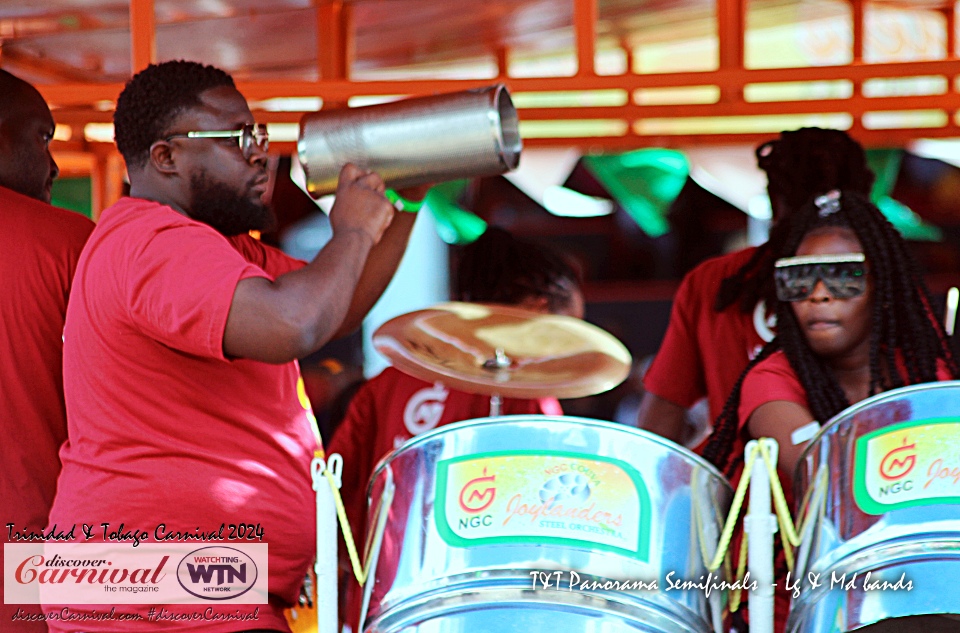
(217, 573)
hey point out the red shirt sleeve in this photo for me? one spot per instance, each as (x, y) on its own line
(677, 370)
(773, 379)
(182, 301)
(273, 261)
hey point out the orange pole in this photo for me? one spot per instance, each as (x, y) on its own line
(98, 178)
(82, 94)
(332, 46)
(950, 15)
(731, 25)
(143, 35)
(503, 62)
(106, 177)
(858, 23)
(585, 14)
(330, 51)
(628, 54)
(858, 17)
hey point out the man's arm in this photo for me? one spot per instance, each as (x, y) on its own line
(280, 321)
(661, 417)
(381, 266)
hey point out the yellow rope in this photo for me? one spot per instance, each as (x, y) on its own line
(789, 535)
(358, 571)
(720, 556)
(734, 514)
(741, 569)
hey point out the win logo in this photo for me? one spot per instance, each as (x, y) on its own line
(217, 573)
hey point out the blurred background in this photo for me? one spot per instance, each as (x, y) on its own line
(639, 120)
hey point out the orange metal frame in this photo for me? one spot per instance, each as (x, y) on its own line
(75, 102)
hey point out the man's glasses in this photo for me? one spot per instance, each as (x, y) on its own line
(844, 275)
(247, 137)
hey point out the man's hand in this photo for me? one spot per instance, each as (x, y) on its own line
(360, 204)
(414, 194)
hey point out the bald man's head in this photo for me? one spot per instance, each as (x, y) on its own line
(26, 129)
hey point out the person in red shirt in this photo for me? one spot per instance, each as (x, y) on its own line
(41, 245)
(854, 320)
(184, 404)
(394, 407)
(722, 312)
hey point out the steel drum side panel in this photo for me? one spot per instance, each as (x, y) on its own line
(883, 479)
(480, 505)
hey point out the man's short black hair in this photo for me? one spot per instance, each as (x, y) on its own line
(156, 96)
(11, 92)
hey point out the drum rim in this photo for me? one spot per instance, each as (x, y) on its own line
(533, 417)
(848, 413)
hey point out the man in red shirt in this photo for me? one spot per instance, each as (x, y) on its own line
(182, 387)
(40, 246)
(721, 315)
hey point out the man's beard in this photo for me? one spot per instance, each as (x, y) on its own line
(224, 209)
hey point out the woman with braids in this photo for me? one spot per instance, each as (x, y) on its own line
(722, 313)
(853, 320)
(393, 407)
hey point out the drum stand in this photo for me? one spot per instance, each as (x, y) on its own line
(496, 406)
(498, 364)
(761, 524)
(325, 567)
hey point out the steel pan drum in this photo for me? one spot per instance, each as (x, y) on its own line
(883, 479)
(480, 505)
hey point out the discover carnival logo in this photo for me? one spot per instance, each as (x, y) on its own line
(116, 574)
(217, 573)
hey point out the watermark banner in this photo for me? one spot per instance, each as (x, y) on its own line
(113, 573)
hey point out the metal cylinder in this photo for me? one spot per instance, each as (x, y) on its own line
(457, 553)
(415, 141)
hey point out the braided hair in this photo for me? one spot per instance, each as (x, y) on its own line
(499, 268)
(906, 340)
(799, 162)
(154, 98)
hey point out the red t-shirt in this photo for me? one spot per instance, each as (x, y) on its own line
(163, 428)
(773, 379)
(389, 410)
(704, 352)
(41, 245)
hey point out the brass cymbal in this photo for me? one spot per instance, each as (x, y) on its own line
(506, 351)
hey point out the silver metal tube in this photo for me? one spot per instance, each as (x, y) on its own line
(414, 141)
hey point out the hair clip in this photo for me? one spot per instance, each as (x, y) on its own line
(828, 203)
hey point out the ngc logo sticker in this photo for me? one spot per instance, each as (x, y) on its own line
(909, 464)
(217, 573)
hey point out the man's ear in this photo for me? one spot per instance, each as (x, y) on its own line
(162, 158)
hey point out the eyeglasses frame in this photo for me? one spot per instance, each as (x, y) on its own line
(249, 131)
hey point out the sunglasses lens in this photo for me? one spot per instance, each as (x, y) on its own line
(843, 280)
(795, 283)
